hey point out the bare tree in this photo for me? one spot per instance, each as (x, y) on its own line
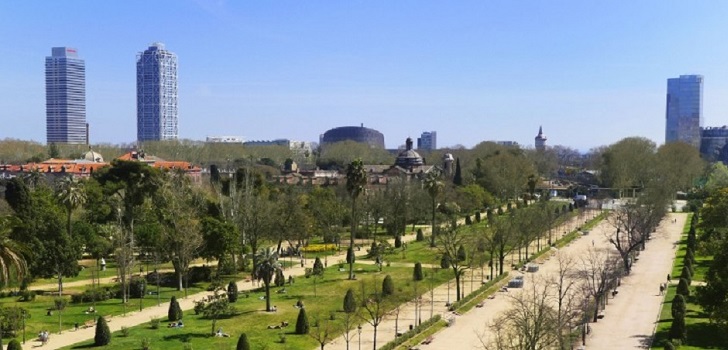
(634, 222)
(530, 323)
(566, 297)
(349, 324)
(453, 241)
(323, 331)
(598, 271)
(373, 305)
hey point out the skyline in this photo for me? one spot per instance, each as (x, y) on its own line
(590, 74)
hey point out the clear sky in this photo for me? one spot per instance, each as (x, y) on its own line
(590, 72)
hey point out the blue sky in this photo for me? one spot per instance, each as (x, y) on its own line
(590, 72)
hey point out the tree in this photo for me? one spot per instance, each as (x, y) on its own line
(232, 292)
(434, 187)
(683, 287)
(629, 163)
(267, 265)
(71, 195)
(243, 343)
(387, 286)
(356, 179)
(712, 296)
(598, 273)
(103, 334)
(452, 241)
(12, 263)
(717, 177)
(373, 306)
(680, 164)
(417, 276)
(566, 297)
(317, 272)
(634, 223)
(302, 326)
(349, 302)
(174, 312)
(323, 331)
(458, 178)
(678, 306)
(218, 307)
(14, 345)
(530, 324)
(678, 329)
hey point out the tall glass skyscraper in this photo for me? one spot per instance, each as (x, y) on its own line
(65, 76)
(684, 111)
(156, 94)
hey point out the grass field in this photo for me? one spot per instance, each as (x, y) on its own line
(254, 321)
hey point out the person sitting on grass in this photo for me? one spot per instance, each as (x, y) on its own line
(221, 334)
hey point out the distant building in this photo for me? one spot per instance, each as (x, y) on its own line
(540, 140)
(507, 143)
(65, 77)
(427, 141)
(684, 110)
(714, 143)
(224, 139)
(303, 148)
(157, 94)
(361, 134)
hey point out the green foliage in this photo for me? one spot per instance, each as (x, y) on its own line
(417, 274)
(683, 287)
(468, 220)
(445, 261)
(14, 345)
(302, 326)
(154, 323)
(712, 296)
(387, 286)
(686, 275)
(678, 329)
(462, 255)
(125, 331)
(458, 178)
(350, 257)
(103, 334)
(411, 333)
(243, 343)
(477, 216)
(232, 292)
(349, 302)
(174, 313)
(11, 318)
(420, 235)
(280, 279)
(668, 345)
(678, 306)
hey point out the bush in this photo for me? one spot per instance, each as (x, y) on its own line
(14, 345)
(302, 322)
(417, 274)
(232, 292)
(683, 288)
(137, 288)
(678, 329)
(398, 242)
(411, 333)
(387, 286)
(124, 331)
(175, 312)
(280, 279)
(420, 236)
(146, 343)
(91, 295)
(225, 266)
(103, 335)
(468, 220)
(678, 306)
(477, 216)
(349, 302)
(27, 295)
(199, 274)
(667, 345)
(154, 323)
(685, 273)
(243, 343)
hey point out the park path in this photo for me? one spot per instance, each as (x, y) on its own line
(629, 318)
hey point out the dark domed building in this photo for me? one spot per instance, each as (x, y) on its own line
(361, 134)
(408, 158)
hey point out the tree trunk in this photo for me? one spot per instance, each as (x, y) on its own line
(597, 303)
(375, 338)
(351, 239)
(432, 234)
(267, 295)
(180, 286)
(457, 286)
(60, 283)
(501, 258)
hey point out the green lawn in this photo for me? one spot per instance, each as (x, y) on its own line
(254, 321)
(701, 333)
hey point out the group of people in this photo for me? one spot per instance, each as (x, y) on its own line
(177, 324)
(43, 337)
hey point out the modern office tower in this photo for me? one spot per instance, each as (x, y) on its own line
(156, 94)
(540, 140)
(65, 97)
(684, 112)
(427, 141)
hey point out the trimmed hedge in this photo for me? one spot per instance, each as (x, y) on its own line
(411, 333)
(464, 301)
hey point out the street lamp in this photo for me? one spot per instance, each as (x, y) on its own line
(359, 330)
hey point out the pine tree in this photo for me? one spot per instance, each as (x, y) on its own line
(14, 345)
(458, 178)
(468, 220)
(280, 279)
(445, 262)
(232, 292)
(461, 254)
(349, 302)
(417, 275)
(103, 334)
(477, 216)
(318, 266)
(685, 274)
(678, 306)
(174, 312)
(302, 322)
(682, 287)
(678, 329)
(387, 286)
(243, 343)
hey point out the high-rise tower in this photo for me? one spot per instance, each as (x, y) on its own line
(540, 140)
(427, 141)
(684, 111)
(156, 94)
(65, 76)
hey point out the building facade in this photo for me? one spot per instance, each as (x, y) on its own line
(684, 110)
(157, 117)
(714, 143)
(373, 138)
(427, 141)
(65, 76)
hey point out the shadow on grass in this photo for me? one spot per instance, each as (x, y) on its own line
(645, 341)
(701, 335)
(185, 337)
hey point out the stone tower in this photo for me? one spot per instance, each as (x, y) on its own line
(540, 140)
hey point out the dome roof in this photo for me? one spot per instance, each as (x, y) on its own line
(409, 158)
(93, 157)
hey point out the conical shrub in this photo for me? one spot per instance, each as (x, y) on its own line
(387, 286)
(14, 345)
(683, 287)
(349, 302)
(302, 322)
(103, 334)
(243, 343)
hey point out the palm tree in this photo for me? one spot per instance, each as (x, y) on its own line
(266, 267)
(356, 179)
(71, 195)
(434, 186)
(12, 263)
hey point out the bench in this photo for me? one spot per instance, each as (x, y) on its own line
(107, 318)
(428, 340)
(480, 304)
(89, 324)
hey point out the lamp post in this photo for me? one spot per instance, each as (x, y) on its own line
(359, 331)
(141, 287)
(23, 326)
